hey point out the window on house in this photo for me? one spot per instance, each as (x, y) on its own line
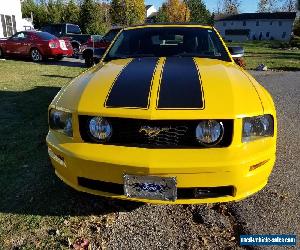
(280, 23)
(257, 23)
(271, 23)
(244, 23)
(283, 34)
(8, 25)
(268, 34)
(224, 24)
(231, 23)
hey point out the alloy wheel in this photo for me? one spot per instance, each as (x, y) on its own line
(36, 55)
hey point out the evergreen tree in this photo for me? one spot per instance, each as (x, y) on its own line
(88, 16)
(198, 12)
(71, 12)
(162, 16)
(55, 11)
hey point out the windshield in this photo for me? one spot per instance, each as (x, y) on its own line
(46, 36)
(168, 41)
(109, 37)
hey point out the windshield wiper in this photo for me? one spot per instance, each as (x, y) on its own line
(141, 55)
(196, 55)
(110, 58)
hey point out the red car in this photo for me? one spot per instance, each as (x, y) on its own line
(95, 47)
(35, 44)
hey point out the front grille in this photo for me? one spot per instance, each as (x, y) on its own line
(174, 133)
(182, 193)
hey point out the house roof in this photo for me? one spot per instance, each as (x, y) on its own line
(148, 7)
(263, 15)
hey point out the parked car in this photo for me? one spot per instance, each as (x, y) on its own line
(70, 31)
(36, 45)
(90, 50)
(93, 50)
(167, 117)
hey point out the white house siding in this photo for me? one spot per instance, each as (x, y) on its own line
(10, 17)
(276, 31)
(150, 10)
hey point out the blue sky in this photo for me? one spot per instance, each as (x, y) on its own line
(246, 6)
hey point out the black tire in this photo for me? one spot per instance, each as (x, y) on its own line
(89, 61)
(36, 55)
(1, 53)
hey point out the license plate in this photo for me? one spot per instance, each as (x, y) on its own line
(150, 187)
(63, 45)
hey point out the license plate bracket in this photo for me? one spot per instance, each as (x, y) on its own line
(150, 187)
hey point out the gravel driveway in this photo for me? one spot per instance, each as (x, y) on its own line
(274, 210)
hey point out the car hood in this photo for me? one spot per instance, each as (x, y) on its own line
(163, 88)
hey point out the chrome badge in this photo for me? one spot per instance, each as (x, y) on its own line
(152, 131)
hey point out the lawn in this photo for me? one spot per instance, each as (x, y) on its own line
(258, 52)
(38, 211)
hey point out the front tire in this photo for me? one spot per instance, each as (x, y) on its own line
(36, 55)
(89, 61)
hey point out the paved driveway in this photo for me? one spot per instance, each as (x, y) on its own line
(275, 210)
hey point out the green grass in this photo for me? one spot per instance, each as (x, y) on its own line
(258, 52)
(38, 211)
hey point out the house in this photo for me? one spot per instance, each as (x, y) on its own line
(151, 13)
(256, 26)
(11, 18)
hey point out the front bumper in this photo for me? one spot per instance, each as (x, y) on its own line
(215, 167)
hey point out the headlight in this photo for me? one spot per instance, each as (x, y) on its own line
(61, 121)
(257, 127)
(100, 129)
(209, 133)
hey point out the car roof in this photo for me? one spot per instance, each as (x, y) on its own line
(188, 24)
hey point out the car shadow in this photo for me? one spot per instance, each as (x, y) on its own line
(66, 62)
(28, 184)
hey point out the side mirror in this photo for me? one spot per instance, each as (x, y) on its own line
(236, 51)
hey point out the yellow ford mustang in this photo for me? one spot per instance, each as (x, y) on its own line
(165, 117)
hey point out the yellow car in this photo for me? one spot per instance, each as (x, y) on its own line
(165, 117)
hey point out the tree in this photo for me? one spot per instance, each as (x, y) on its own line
(267, 6)
(127, 12)
(28, 8)
(198, 12)
(174, 11)
(71, 12)
(162, 16)
(55, 11)
(289, 6)
(231, 7)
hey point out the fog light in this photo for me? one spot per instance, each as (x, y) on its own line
(59, 159)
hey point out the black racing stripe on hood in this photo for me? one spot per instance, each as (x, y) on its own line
(180, 86)
(132, 87)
